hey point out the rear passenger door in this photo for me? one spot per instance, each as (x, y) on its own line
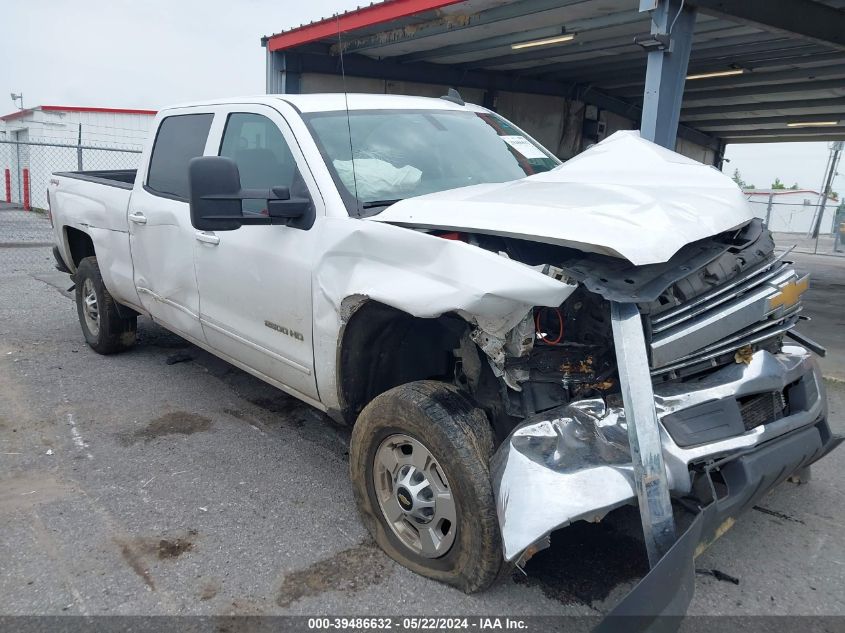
(161, 237)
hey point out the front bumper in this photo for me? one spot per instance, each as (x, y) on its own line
(573, 463)
(669, 586)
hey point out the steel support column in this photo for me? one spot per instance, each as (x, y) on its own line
(672, 23)
(284, 73)
(643, 430)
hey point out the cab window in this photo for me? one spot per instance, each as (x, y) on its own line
(179, 139)
(263, 157)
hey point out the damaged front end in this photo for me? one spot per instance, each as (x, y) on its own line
(737, 410)
(645, 365)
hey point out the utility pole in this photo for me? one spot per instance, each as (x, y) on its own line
(769, 210)
(836, 150)
(79, 149)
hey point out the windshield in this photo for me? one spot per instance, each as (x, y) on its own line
(404, 153)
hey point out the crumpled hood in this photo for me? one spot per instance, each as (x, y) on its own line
(625, 197)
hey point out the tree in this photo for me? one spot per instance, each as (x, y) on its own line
(777, 184)
(794, 186)
(737, 178)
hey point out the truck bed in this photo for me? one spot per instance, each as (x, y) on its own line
(123, 178)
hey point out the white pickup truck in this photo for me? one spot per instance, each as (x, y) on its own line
(424, 270)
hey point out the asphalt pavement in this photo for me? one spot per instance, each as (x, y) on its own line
(165, 481)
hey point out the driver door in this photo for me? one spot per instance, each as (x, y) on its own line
(255, 281)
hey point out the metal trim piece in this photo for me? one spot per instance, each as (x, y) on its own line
(643, 430)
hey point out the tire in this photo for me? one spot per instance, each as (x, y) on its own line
(108, 333)
(458, 437)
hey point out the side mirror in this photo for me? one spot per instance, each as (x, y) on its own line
(216, 196)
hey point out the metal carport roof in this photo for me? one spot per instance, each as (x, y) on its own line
(791, 54)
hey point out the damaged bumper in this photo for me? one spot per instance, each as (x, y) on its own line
(748, 426)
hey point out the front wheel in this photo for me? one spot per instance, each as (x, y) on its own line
(419, 465)
(104, 329)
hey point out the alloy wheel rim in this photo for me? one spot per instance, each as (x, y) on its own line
(90, 309)
(414, 496)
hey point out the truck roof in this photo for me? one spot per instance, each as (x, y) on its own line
(335, 101)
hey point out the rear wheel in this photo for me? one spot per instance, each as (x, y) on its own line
(105, 330)
(419, 464)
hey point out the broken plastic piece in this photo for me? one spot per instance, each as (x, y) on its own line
(718, 575)
(563, 465)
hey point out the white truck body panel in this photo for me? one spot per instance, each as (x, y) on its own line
(624, 197)
(276, 298)
(158, 266)
(99, 211)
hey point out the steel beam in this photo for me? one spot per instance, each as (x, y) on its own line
(761, 79)
(618, 78)
(777, 139)
(273, 80)
(453, 22)
(754, 108)
(725, 54)
(362, 17)
(791, 134)
(803, 87)
(577, 26)
(777, 122)
(601, 46)
(666, 72)
(290, 68)
(812, 20)
(643, 430)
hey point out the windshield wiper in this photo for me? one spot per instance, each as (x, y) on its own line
(380, 203)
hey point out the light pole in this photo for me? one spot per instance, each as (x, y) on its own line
(835, 151)
(17, 97)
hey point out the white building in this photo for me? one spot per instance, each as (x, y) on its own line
(48, 138)
(792, 210)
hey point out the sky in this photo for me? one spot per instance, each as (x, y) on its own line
(125, 53)
(794, 163)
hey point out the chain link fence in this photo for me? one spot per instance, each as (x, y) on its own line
(25, 168)
(809, 224)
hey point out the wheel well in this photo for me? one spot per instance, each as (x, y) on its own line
(79, 244)
(382, 347)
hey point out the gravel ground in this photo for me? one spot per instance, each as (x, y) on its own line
(130, 486)
(19, 228)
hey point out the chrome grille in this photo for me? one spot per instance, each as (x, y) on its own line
(743, 311)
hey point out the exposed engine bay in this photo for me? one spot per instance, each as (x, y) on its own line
(557, 355)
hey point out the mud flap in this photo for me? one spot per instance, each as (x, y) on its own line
(660, 600)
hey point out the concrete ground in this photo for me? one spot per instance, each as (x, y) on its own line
(132, 486)
(825, 305)
(825, 244)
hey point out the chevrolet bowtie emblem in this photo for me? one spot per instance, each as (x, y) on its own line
(789, 293)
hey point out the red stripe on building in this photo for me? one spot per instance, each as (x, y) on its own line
(16, 115)
(53, 108)
(108, 110)
(363, 17)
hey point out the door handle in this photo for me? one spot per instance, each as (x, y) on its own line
(207, 238)
(138, 217)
